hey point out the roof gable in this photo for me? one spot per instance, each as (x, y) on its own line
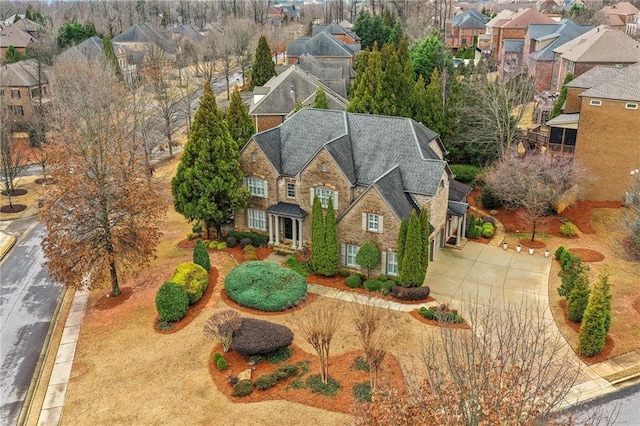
(595, 46)
(23, 73)
(322, 44)
(524, 18)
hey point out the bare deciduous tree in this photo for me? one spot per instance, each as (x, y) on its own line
(222, 325)
(318, 323)
(11, 158)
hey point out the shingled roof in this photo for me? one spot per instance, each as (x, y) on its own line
(23, 74)
(369, 149)
(596, 46)
(561, 33)
(335, 74)
(322, 44)
(334, 29)
(145, 33)
(624, 86)
(469, 19)
(596, 75)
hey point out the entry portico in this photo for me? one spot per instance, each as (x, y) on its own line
(284, 222)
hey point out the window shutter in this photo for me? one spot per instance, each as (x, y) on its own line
(335, 200)
(266, 189)
(383, 263)
(343, 254)
(380, 224)
(313, 194)
(364, 221)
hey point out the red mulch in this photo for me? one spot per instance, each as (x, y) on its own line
(16, 208)
(310, 297)
(535, 244)
(589, 360)
(194, 310)
(340, 368)
(636, 305)
(580, 213)
(416, 314)
(238, 254)
(587, 255)
(107, 302)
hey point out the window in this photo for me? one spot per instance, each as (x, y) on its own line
(291, 190)
(571, 67)
(630, 105)
(256, 187)
(352, 251)
(15, 94)
(464, 41)
(595, 102)
(324, 167)
(324, 194)
(372, 222)
(17, 109)
(35, 93)
(257, 219)
(254, 157)
(392, 264)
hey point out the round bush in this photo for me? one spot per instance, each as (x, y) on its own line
(258, 337)
(265, 286)
(213, 245)
(386, 286)
(246, 241)
(172, 302)
(193, 278)
(217, 356)
(222, 246)
(489, 219)
(248, 249)
(242, 388)
(221, 363)
(372, 285)
(489, 200)
(410, 293)
(568, 229)
(249, 256)
(354, 281)
(487, 230)
(232, 242)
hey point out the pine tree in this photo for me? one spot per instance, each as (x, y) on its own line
(593, 332)
(317, 234)
(579, 298)
(110, 56)
(201, 255)
(321, 99)
(402, 241)
(238, 120)
(368, 94)
(263, 66)
(425, 232)
(605, 286)
(412, 274)
(298, 106)
(207, 185)
(331, 252)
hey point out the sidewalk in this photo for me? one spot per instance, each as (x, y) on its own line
(6, 242)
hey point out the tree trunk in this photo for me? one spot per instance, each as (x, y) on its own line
(115, 286)
(169, 138)
(219, 232)
(533, 232)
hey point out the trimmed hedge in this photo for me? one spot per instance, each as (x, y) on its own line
(354, 281)
(258, 337)
(410, 293)
(201, 255)
(465, 173)
(265, 286)
(172, 302)
(372, 285)
(193, 278)
(257, 240)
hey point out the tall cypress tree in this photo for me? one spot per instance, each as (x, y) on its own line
(412, 274)
(368, 94)
(579, 297)
(263, 67)
(593, 331)
(605, 286)
(425, 232)
(110, 56)
(321, 99)
(207, 185)
(402, 241)
(317, 234)
(331, 252)
(238, 120)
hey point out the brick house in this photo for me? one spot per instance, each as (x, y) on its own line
(462, 30)
(24, 88)
(376, 169)
(16, 37)
(324, 46)
(346, 36)
(595, 47)
(599, 128)
(619, 15)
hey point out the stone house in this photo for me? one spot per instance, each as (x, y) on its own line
(376, 169)
(24, 88)
(463, 30)
(599, 129)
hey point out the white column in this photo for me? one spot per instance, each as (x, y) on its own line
(294, 225)
(464, 225)
(270, 227)
(300, 246)
(277, 218)
(459, 233)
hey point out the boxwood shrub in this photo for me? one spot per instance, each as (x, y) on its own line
(265, 286)
(354, 281)
(172, 302)
(242, 388)
(465, 173)
(256, 240)
(221, 363)
(386, 286)
(410, 293)
(193, 278)
(258, 337)
(372, 285)
(232, 241)
(201, 256)
(568, 229)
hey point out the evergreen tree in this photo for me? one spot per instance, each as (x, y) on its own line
(12, 55)
(110, 56)
(402, 241)
(201, 255)
(425, 232)
(321, 99)
(593, 331)
(435, 118)
(605, 287)
(298, 106)
(428, 54)
(412, 274)
(368, 256)
(578, 298)
(331, 252)
(562, 98)
(207, 185)
(238, 120)
(263, 66)
(317, 234)
(310, 28)
(368, 95)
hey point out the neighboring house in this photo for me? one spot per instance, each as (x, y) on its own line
(274, 102)
(620, 15)
(338, 75)
(376, 169)
(599, 46)
(599, 129)
(24, 88)
(539, 43)
(464, 29)
(16, 37)
(324, 47)
(511, 63)
(186, 33)
(276, 15)
(12, 19)
(141, 37)
(546, 6)
(346, 36)
(91, 50)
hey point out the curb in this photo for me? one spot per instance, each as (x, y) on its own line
(7, 245)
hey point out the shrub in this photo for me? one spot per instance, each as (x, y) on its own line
(568, 229)
(410, 293)
(354, 281)
(213, 245)
(314, 382)
(222, 246)
(242, 388)
(250, 256)
(489, 219)
(201, 256)
(265, 286)
(362, 392)
(568, 260)
(172, 302)
(258, 337)
(487, 230)
(344, 273)
(286, 370)
(383, 278)
(248, 249)
(368, 256)
(465, 173)
(372, 285)
(257, 240)
(221, 363)
(493, 212)
(217, 356)
(569, 277)
(279, 355)
(579, 296)
(300, 267)
(197, 228)
(428, 313)
(559, 252)
(386, 286)
(266, 381)
(194, 278)
(359, 363)
(232, 242)
(245, 242)
(489, 200)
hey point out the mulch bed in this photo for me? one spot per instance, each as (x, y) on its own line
(309, 298)
(340, 368)
(416, 314)
(194, 310)
(580, 213)
(236, 251)
(107, 302)
(587, 255)
(636, 305)
(15, 193)
(589, 360)
(535, 244)
(47, 181)
(16, 208)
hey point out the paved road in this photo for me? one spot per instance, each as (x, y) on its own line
(618, 408)
(28, 298)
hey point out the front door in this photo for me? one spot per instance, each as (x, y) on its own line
(288, 228)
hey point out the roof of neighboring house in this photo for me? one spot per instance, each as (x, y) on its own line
(614, 20)
(525, 17)
(187, 30)
(593, 77)
(90, 49)
(278, 99)
(23, 73)
(16, 37)
(623, 86)
(28, 25)
(597, 44)
(500, 18)
(334, 29)
(391, 153)
(511, 46)
(469, 19)
(145, 33)
(335, 74)
(564, 119)
(621, 8)
(322, 44)
(562, 32)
